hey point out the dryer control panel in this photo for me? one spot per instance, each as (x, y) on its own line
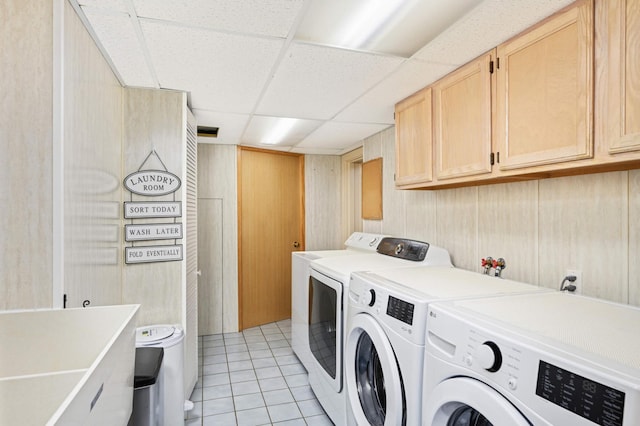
(404, 249)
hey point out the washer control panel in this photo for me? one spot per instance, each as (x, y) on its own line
(393, 306)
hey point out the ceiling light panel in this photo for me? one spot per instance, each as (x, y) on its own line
(397, 27)
(120, 41)
(316, 82)
(263, 17)
(223, 72)
(485, 27)
(377, 105)
(278, 131)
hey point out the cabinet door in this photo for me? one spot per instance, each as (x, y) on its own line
(545, 92)
(462, 120)
(414, 139)
(621, 99)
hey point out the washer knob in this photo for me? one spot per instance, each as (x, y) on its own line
(368, 297)
(489, 356)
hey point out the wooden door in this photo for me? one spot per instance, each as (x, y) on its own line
(462, 120)
(544, 92)
(619, 104)
(271, 227)
(414, 140)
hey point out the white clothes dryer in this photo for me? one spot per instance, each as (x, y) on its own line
(328, 287)
(537, 359)
(385, 343)
(357, 243)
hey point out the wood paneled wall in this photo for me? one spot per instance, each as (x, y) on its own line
(540, 227)
(322, 202)
(26, 96)
(152, 121)
(92, 164)
(217, 239)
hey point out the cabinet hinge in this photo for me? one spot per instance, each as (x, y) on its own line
(490, 67)
(491, 158)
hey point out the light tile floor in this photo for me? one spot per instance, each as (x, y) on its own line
(253, 378)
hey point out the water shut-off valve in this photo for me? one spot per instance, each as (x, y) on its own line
(489, 263)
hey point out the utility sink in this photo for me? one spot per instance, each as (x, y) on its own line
(67, 366)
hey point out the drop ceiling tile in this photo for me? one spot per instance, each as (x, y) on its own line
(260, 128)
(377, 105)
(485, 27)
(264, 17)
(113, 5)
(118, 38)
(223, 72)
(316, 82)
(230, 126)
(335, 135)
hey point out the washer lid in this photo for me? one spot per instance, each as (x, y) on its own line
(154, 333)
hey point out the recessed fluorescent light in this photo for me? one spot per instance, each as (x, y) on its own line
(279, 131)
(396, 27)
(368, 20)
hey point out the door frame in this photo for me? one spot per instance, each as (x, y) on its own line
(301, 163)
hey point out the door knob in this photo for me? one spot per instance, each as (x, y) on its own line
(296, 244)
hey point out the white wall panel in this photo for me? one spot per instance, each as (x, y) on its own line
(322, 202)
(584, 225)
(217, 180)
(457, 226)
(634, 237)
(508, 228)
(26, 61)
(92, 146)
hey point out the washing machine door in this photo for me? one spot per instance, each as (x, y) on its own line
(465, 401)
(374, 383)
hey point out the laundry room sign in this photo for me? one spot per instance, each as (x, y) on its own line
(149, 254)
(152, 183)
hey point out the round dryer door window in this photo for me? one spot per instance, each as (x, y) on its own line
(375, 387)
(465, 401)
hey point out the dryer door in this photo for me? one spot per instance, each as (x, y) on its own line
(464, 401)
(325, 326)
(374, 382)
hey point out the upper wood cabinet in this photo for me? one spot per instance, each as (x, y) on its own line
(563, 98)
(414, 139)
(618, 102)
(462, 120)
(545, 92)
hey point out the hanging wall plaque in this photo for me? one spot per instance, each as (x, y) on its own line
(152, 182)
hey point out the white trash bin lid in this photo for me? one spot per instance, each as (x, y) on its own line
(154, 333)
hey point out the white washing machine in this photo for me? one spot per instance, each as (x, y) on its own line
(329, 283)
(385, 343)
(357, 243)
(538, 359)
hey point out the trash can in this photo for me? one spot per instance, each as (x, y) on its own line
(171, 339)
(147, 388)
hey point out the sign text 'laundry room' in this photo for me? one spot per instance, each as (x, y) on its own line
(152, 182)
